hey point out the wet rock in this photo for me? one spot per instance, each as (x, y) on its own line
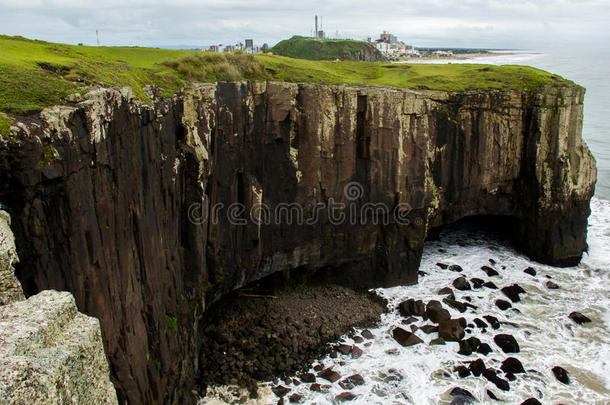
(491, 376)
(367, 334)
(436, 313)
(356, 352)
(461, 284)
(491, 395)
(490, 285)
(318, 367)
(512, 365)
(329, 374)
(405, 338)
(281, 401)
(531, 271)
(507, 343)
(456, 268)
(451, 330)
(492, 261)
(344, 349)
(411, 307)
(484, 349)
(561, 374)
(422, 273)
(503, 305)
(461, 396)
(469, 345)
(429, 329)
(477, 367)
(437, 342)
(457, 305)
(280, 390)
(477, 282)
(510, 376)
(493, 321)
(447, 291)
(480, 323)
(462, 371)
(320, 388)
(490, 272)
(512, 292)
(358, 339)
(351, 381)
(345, 396)
(308, 378)
(551, 285)
(442, 265)
(531, 401)
(408, 320)
(579, 318)
(295, 398)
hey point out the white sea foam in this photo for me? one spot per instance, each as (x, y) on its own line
(423, 374)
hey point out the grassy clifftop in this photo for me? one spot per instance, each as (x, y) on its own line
(36, 74)
(328, 49)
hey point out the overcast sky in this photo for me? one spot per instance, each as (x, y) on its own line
(535, 24)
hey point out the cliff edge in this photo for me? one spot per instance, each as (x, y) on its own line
(148, 214)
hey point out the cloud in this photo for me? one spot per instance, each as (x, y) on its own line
(540, 24)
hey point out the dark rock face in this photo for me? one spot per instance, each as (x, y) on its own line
(119, 202)
(531, 401)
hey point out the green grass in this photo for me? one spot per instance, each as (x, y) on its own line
(36, 74)
(5, 124)
(328, 49)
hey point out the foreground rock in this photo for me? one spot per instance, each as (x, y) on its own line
(112, 175)
(52, 354)
(49, 352)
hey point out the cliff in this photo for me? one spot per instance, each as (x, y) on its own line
(50, 353)
(148, 214)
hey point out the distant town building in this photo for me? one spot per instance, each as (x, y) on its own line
(391, 47)
(249, 44)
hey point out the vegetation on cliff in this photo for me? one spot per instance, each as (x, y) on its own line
(35, 74)
(327, 49)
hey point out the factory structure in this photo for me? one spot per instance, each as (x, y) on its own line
(391, 47)
(247, 46)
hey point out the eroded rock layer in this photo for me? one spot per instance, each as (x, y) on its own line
(133, 208)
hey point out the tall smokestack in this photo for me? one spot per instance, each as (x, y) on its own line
(315, 34)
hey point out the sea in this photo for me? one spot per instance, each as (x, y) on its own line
(424, 374)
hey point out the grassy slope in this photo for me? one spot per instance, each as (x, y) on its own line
(312, 49)
(35, 74)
